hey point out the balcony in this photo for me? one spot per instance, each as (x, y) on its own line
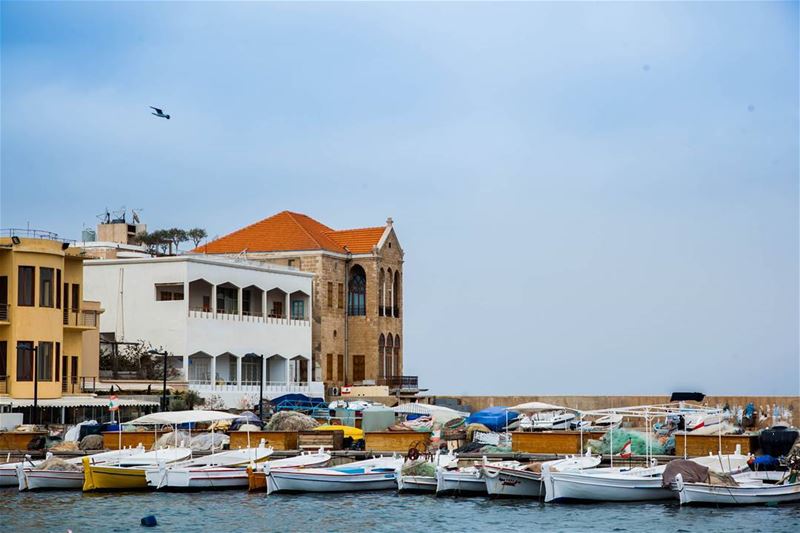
(400, 383)
(271, 318)
(3, 384)
(3, 312)
(388, 312)
(81, 318)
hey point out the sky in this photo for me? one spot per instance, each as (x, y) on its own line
(593, 198)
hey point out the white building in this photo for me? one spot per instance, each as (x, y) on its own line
(260, 310)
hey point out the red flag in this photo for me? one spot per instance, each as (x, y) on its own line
(626, 452)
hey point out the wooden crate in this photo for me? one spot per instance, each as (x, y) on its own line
(18, 440)
(696, 445)
(279, 440)
(313, 440)
(396, 441)
(130, 439)
(551, 442)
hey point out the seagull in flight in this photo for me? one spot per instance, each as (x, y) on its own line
(159, 113)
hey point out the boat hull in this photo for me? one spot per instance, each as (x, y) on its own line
(102, 478)
(416, 483)
(197, 478)
(561, 486)
(53, 480)
(705, 494)
(506, 482)
(298, 481)
(8, 476)
(456, 482)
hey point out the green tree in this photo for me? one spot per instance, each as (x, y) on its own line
(196, 235)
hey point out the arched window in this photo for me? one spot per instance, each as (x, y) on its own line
(396, 294)
(357, 293)
(396, 364)
(388, 356)
(381, 354)
(389, 292)
(381, 292)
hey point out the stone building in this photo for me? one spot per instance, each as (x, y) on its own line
(357, 320)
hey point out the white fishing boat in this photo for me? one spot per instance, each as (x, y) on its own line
(8, 471)
(372, 474)
(525, 480)
(256, 478)
(219, 470)
(33, 478)
(747, 489)
(465, 480)
(558, 420)
(422, 483)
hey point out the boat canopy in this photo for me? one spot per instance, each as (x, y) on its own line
(183, 417)
(535, 407)
(439, 413)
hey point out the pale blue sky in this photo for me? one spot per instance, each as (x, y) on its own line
(593, 198)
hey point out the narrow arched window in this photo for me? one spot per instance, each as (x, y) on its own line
(396, 364)
(388, 356)
(381, 355)
(357, 293)
(381, 293)
(396, 294)
(389, 292)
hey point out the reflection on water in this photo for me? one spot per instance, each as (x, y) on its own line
(378, 511)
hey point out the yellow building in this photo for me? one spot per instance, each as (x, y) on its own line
(43, 318)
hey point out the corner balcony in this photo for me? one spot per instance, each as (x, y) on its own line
(404, 384)
(81, 319)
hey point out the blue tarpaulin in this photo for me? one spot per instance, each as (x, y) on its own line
(494, 418)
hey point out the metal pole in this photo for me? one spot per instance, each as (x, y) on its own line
(164, 390)
(35, 388)
(261, 392)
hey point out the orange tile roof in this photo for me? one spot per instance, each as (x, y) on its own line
(288, 231)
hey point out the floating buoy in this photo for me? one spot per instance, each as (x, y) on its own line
(149, 521)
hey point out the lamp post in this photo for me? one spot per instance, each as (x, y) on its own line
(164, 390)
(34, 349)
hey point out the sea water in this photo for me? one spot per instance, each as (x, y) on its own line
(376, 511)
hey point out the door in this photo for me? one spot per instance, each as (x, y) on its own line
(358, 368)
(340, 368)
(64, 363)
(3, 297)
(73, 371)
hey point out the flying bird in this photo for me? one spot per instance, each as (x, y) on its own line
(159, 113)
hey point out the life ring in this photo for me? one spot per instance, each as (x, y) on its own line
(413, 454)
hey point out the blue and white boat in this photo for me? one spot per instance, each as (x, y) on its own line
(371, 474)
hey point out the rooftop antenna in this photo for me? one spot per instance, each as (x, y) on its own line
(105, 217)
(119, 215)
(135, 215)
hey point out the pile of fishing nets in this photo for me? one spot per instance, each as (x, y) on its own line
(291, 421)
(472, 428)
(204, 441)
(423, 424)
(54, 463)
(419, 468)
(91, 442)
(172, 439)
(658, 446)
(65, 446)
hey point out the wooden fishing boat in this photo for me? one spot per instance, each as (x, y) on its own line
(422, 483)
(372, 474)
(54, 479)
(256, 478)
(525, 480)
(129, 473)
(748, 489)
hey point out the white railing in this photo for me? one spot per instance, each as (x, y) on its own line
(200, 313)
(269, 386)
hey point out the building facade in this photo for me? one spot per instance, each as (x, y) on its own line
(224, 322)
(357, 318)
(43, 317)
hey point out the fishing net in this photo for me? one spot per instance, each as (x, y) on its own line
(204, 441)
(54, 463)
(65, 446)
(170, 439)
(91, 442)
(638, 443)
(419, 468)
(291, 421)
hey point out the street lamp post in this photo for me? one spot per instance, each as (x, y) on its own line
(164, 389)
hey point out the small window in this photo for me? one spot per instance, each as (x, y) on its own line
(25, 289)
(166, 292)
(298, 310)
(25, 361)
(330, 294)
(291, 263)
(44, 361)
(46, 276)
(340, 296)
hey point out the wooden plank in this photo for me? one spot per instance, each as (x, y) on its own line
(330, 439)
(279, 440)
(697, 445)
(129, 439)
(551, 442)
(18, 440)
(396, 441)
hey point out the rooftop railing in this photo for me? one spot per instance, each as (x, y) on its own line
(29, 233)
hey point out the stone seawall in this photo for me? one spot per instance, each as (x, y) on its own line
(586, 403)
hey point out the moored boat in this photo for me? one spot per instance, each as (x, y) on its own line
(36, 478)
(525, 480)
(256, 478)
(128, 473)
(420, 475)
(371, 474)
(745, 489)
(465, 480)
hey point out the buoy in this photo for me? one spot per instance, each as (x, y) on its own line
(149, 521)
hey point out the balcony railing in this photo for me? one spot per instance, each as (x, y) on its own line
(199, 312)
(3, 312)
(70, 385)
(400, 382)
(388, 311)
(3, 384)
(81, 318)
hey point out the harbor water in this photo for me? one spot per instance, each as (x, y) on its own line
(377, 511)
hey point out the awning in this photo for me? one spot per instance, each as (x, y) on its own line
(75, 401)
(183, 417)
(536, 407)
